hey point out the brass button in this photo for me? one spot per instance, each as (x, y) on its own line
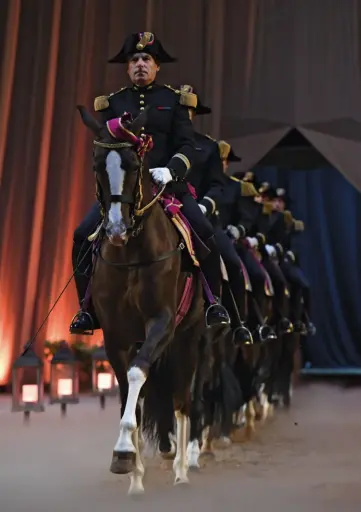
(141, 95)
(141, 108)
(141, 102)
(142, 129)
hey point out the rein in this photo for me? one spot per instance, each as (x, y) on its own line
(138, 212)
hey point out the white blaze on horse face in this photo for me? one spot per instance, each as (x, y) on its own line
(116, 176)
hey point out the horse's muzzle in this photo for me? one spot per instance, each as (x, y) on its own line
(117, 237)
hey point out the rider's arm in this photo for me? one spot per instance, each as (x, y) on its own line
(216, 180)
(183, 143)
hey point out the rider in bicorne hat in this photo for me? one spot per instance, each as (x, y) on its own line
(171, 157)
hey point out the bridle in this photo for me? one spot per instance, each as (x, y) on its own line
(138, 212)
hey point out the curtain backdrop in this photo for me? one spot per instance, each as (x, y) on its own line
(263, 65)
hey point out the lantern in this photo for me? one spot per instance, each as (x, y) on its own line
(28, 383)
(103, 379)
(64, 377)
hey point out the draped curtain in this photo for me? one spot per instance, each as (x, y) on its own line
(245, 57)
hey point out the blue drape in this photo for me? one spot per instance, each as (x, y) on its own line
(329, 251)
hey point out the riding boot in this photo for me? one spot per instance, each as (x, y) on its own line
(264, 331)
(310, 326)
(241, 334)
(82, 323)
(216, 314)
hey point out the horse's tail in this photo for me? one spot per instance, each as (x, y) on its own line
(158, 415)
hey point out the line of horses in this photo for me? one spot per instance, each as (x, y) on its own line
(182, 385)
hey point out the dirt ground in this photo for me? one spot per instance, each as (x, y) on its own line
(306, 459)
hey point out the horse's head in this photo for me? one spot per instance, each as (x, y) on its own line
(118, 164)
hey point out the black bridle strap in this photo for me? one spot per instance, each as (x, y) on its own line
(124, 199)
(139, 264)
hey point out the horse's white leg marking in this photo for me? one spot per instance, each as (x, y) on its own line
(180, 463)
(128, 423)
(136, 477)
(193, 453)
(206, 441)
(116, 176)
(173, 448)
(250, 417)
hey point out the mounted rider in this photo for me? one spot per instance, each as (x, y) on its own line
(300, 287)
(207, 177)
(171, 157)
(273, 253)
(239, 215)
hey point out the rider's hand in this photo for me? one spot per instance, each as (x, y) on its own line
(253, 242)
(203, 209)
(233, 231)
(161, 175)
(271, 250)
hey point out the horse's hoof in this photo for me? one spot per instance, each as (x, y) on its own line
(167, 455)
(122, 463)
(222, 443)
(136, 492)
(181, 481)
(207, 455)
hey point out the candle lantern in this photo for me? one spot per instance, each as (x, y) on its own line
(103, 379)
(28, 383)
(64, 377)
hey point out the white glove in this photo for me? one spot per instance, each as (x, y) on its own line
(253, 242)
(271, 250)
(203, 208)
(233, 231)
(161, 175)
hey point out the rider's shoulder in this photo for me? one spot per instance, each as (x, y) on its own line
(102, 102)
(187, 99)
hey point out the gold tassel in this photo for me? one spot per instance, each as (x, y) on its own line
(224, 149)
(144, 40)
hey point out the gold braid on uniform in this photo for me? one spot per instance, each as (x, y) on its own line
(101, 103)
(224, 149)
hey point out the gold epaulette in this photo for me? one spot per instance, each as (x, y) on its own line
(288, 218)
(224, 149)
(299, 225)
(267, 208)
(248, 189)
(101, 103)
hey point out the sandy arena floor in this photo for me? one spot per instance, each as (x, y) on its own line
(304, 460)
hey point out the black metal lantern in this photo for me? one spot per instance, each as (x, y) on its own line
(64, 377)
(28, 383)
(103, 378)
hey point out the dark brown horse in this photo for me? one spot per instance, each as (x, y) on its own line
(137, 285)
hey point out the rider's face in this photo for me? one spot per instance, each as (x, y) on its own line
(225, 166)
(142, 69)
(278, 205)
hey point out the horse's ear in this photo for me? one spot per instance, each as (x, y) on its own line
(139, 121)
(89, 120)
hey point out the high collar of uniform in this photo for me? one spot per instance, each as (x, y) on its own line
(145, 88)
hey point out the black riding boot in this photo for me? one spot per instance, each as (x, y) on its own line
(310, 326)
(216, 314)
(241, 333)
(82, 323)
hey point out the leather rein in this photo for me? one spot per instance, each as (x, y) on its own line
(137, 217)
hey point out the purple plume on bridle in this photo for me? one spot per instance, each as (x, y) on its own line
(119, 132)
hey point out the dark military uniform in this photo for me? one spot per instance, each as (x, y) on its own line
(173, 136)
(209, 180)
